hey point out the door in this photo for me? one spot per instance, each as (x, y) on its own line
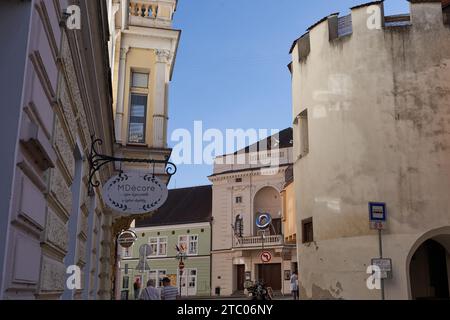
(189, 282)
(429, 272)
(240, 277)
(270, 274)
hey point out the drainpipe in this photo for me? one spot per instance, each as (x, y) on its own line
(210, 255)
(121, 93)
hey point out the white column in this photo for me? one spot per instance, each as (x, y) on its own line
(121, 94)
(159, 115)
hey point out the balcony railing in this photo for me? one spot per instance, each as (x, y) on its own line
(257, 241)
(142, 8)
(151, 13)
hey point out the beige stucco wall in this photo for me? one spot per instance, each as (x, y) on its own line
(289, 212)
(379, 124)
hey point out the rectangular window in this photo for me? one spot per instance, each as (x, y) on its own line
(139, 80)
(157, 275)
(193, 245)
(183, 243)
(304, 133)
(238, 199)
(127, 252)
(125, 282)
(162, 246)
(158, 246)
(138, 112)
(307, 231)
(188, 244)
(238, 180)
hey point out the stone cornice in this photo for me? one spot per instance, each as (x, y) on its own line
(246, 173)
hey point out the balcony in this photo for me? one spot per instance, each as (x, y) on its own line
(151, 13)
(257, 241)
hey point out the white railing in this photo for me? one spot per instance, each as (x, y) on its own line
(257, 241)
(143, 8)
(151, 13)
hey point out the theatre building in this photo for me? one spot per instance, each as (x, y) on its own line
(241, 193)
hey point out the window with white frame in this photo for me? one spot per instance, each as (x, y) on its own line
(189, 244)
(183, 242)
(157, 276)
(139, 80)
(193, 244)
(127, 252)
(139, 96)
(158, 246)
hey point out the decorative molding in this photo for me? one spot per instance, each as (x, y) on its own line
(41, 72)
(163, 56)
(57, 232)
(123, 52)
(43, 14)
(53, 275)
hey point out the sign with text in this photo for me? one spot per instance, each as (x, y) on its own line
(385, 266)
(377, 215)
(127, 238)
(134, 193)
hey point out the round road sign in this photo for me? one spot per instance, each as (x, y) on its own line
(127, 238)
(266, 256)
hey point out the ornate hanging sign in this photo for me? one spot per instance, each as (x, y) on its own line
(134, 193)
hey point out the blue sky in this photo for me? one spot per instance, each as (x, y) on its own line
(231, 69)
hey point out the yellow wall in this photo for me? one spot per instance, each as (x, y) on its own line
(140, 60)
(289, 216)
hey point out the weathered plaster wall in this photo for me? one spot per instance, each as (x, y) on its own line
(379, 130)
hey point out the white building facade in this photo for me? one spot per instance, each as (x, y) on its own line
(241, 192)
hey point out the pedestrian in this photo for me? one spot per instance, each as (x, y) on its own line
(137, 288)
(150, 292)
(294, 285)
(168, 292)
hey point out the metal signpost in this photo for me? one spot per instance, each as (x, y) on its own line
(181, 256)
(144, 252)
(377, 220)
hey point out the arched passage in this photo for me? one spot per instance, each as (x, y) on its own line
(267, 200)
(429, 269)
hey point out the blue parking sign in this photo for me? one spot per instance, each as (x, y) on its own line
(377, 211)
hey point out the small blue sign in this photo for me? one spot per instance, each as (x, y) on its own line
(377, 211)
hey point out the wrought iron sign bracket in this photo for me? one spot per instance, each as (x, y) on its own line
(98, 160)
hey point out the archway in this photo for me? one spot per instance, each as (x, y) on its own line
(267, 200)
(429, 269)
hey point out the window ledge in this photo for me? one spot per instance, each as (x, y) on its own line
(141, 145)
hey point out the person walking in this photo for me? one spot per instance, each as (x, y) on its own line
(137, 288)
(168, 292)
(294, 285)
(150, 292)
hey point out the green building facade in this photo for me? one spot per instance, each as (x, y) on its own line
(184, 221)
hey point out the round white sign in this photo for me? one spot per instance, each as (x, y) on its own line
(134, 193)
